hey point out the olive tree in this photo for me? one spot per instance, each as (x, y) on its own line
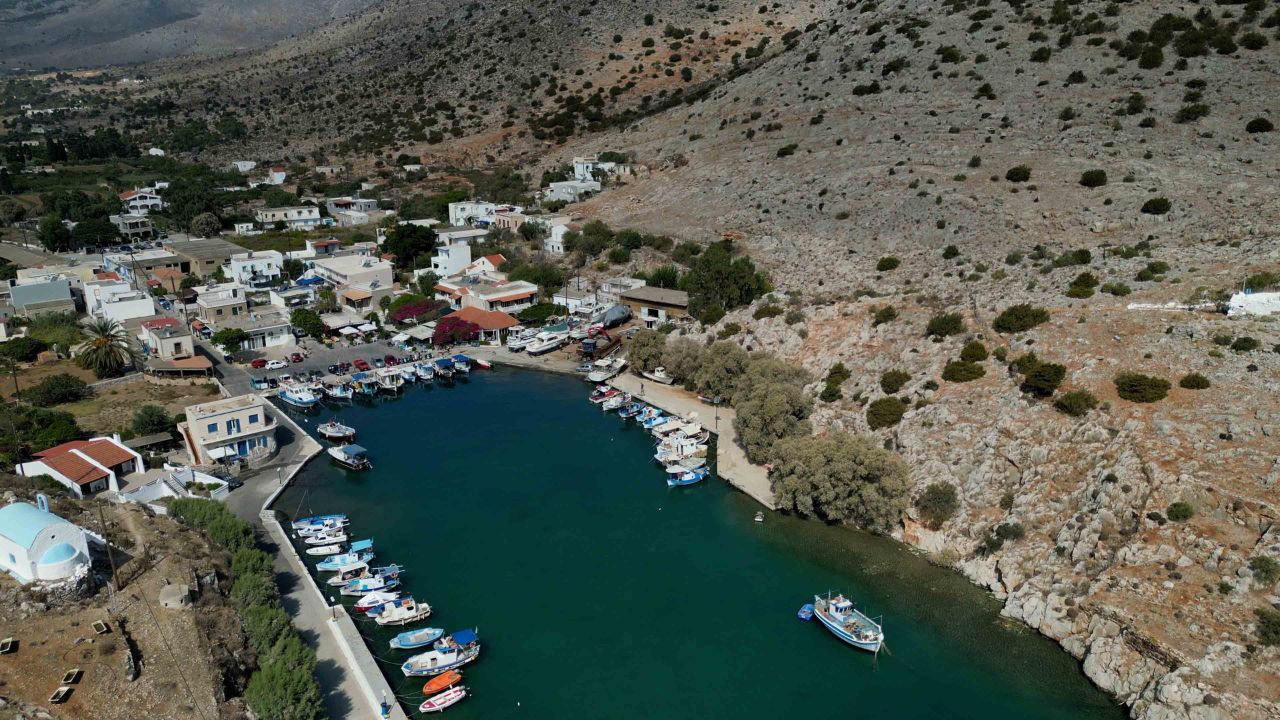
(683, 358)
(724, 365)
(841, 477)
(764, 369)
(772, 412)
(645, 350)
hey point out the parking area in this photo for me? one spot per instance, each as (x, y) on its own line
(319, 357)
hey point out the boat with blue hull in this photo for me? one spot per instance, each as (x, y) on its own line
(414, 639)
(299, 397)
(444, 368)
(449, 653)
(462, 363)
(846, 622)
(336, 562)
(319, 521)
(630, 410)
(365, 383)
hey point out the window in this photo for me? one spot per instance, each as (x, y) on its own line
(253, 419)
(12, 560)
(212, 428)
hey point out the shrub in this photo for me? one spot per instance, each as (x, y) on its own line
(1136, 387)
(1018, 173)
(950, 252)
(887, 263)
(22, 349)
(1076, 403)
(945, 325)
(1245, 344)
(767, 310)
(57, 389)
(1180, 511)
(729, 330)
(893, 380)
(794, 316)
(885, 412)
(1093, 178)
(151, 419)
(264, 625)
(974, 351)
(253, 590)
(1006, 500)
(1010, 531)
(1259, 125)
(1020, 318)
(1193, 381)
(1265, 570)
(888, 313)
(1156, 206)
(1118, 289)
(786, 150)
(843, 478)
(1191, 112)
(1079, 292)
(1043, 380)
(1268, 626)
(938, 503)
(961, 371)
(1013, 258)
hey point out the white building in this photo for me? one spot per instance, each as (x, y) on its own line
(243, 166)
(571, 190)
(133, 226)
(477, 212)
(141, 201)
(267, 326)
(360, 281)
(155, 152)
(86, 466)
(36, 545)
(350, 218)
(1254, 303)
(553, 243)
(349, 204)
(292, 297)
(241, 427)
(573, 299)
(256, 269)
(245, 228)
(460, 233)
(490, 291)
(298, 217)
(276, 176)
(448, 260)
(116, 300)
(585, 168)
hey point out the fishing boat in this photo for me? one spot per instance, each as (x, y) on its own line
(630, 410)
(647, 414)
(339, 391)
(844, 621)
(320, 529)
(606, 368)
(450, 697)
(403, 611)
(366, 585)
(654, 419)
(444, 368)
(687, 477)
(441, 682)
(390, 380)
(301, 523)
(408, 372)
(337, 549)
(352, 457)
(426, 371)
(449, 653)
(669, 426)
(679, 449)
(298, 397)
(329, 538)
(659, 375)
(334, 430)
(615, 402)
(462, 364)
(375, 599)
(337, 562)
(414, 639)
(349, 572)
(602, 393)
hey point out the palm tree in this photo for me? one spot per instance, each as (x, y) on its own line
(107, 349)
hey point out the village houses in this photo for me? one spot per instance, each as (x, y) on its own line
(86, 467)
(298, 217)
(228, 430)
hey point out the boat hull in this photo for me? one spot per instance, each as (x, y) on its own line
(831, 625)
(412, 670)
(415, 639)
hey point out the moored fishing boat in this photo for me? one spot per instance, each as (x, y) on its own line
(338, 391)
(677, 449)
(444, 368)
(462, 363)
(425, 370)
(298, 397)
(602, 393)
(366, 585)
(659, 375)
(336, 562)
(687, 477)
(334, 430)
(437, 703)
(414, 639)
(616, 402)
(442, 681)
(349, 572)
(390, 380)
(329, 538)
(375, 599)
(630, 410)
(844, 621)
(337, 549)
(352, 457)
(319, 520)
(403, 612)
(449, 653)
(606, 368)
(408, 372)
(652, 418)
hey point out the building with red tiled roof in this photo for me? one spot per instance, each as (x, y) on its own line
(490, 322)
(86, 466)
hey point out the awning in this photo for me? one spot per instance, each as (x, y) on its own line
(349, 331)
(400, 338)
(309, 281)
(354, 294)
(225, 451)
(367, 327)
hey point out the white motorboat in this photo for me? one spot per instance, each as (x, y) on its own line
(352, 457)
(450, 652)
(517, 341)
(390, 380)
(319, 520)
(403, 612)
(408, 372)
(340, 391)
(659, 375)
(338, 536)
(349, 572)
(425, 370)
(606, 368)
(616, 401)
(546, 342)
(334, 430)
(298, 396)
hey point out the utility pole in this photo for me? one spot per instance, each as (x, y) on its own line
(115, 579)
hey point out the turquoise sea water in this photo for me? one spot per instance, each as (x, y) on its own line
(522, 510)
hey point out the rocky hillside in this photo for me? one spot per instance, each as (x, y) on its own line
(81, 33)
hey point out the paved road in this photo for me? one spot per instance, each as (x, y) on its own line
(26, 257)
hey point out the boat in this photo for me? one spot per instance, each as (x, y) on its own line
(403, 611)
(602, 393)
(546, 342)
(647, 414)
(688, 477)
(333, 563)
(449, 653)
(319, 520)
(844, 621)
(375, 599)
(482, 364)
(616, 402)
(336, 548)
(349, 572)
(408, 372)
(805, 613)
(366, 585)
(365, 383)
(390, 380)
(659, 375)
(679, 449)
(653, 419)
(334, 430)
(669, 426)
(606, 368)
(298, 397)
(321, 529)
(340, 391)
(413, 639)
(425, 370)
(461, 363)
(441, 682)
(517, 341)
(759, 516)
(444, 368)
(630, 410)
(337, 536)
(352, 457)
(450, 697)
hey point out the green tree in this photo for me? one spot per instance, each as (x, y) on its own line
(1019, 318)
(53, 234)
(771, 413)
(264, 625)
(107, 350)
(760, 370)
(944, 325)
(683, 359)
(1043, 379)
(308, 321)
(645, 350)
(893, 380)
(407, 242)
(57, 389)
(150, 419)
(230, 338)
(205, 225)
(94, 232)
(717, 280)
(938, 503)
(22, 349)
(251, 590)
(1076, 403)
(721, 370)
(285, 688)
(841, 477)
(1136, 387)
(666, 276)
(885, 412)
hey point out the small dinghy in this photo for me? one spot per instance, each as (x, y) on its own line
(402, 612)
(375, 599)
(413, 639)
(449, 653)
(352, 457)
(333, 563)
(448, 698)
(442, 682)
(336, 431)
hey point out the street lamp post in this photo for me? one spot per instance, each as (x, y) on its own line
(717, 404)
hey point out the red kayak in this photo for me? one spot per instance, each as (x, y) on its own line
(441, 682)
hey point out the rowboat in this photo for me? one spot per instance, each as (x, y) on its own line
(437, 703)
(403, 612)
(375, 599)
(412, 639)
(334, 430)
(449, 653)
(335, 562)
(440, 682)
(838, 615)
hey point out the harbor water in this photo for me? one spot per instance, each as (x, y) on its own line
(520, 509)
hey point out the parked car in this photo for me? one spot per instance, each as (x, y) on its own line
(295, 358)
(258, 363)
(378, 363)
(234, 483)
(276, 365)
(344, 367)
(390, 360)
(362, 365)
